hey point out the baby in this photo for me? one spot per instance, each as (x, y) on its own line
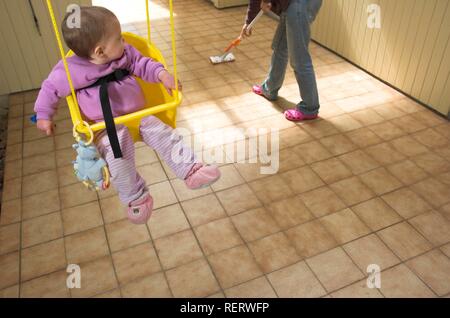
(99, 51)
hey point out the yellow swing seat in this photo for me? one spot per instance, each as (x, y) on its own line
(158, 102)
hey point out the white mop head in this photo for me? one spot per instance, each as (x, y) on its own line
(219, 59)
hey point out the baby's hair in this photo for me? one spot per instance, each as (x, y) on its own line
(95, 22)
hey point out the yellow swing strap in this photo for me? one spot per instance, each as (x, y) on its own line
(148, 21)
(61, 49)
(174, 50)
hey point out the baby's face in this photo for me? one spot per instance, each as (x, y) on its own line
(112, 47)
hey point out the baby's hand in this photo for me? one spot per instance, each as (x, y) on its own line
(45, 126)
(168, 81)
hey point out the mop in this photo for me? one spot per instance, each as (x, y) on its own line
(227, 56)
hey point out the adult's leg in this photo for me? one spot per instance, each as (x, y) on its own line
(298, 19)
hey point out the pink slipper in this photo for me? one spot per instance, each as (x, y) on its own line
(139, 212)
(202, 176)
(296, 115)
(257, 89)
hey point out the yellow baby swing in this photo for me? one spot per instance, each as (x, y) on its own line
(158, 102)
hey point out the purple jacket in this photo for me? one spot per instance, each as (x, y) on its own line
(125, 96)
(254, 6)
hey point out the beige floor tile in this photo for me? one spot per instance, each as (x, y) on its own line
(293, 136)
(12, 169)
(177, 249)
(64, 141)
(135, 262)
(312, 151)
(14, 137)
(86, 246)
(289, 212)
(217, 236)
(345, 123)
(41, 229)
(334, 269)
(345, 226)
(430, 138)
(38, 147)
(404, 240)
(331, 170)
(166, 221)
(367, 117)
(184, 193)
(376, 214)
(115, 293)
(76, 194)
(380, 181)
(408, 146)
(250, 171)
(407, 172)
(352, 191)
(320, 128)
(12, 189)
(389, 111)
(310, 239)
(387, 131)
(42, 259)
(154, 286)
(302, 179)
(357, 290)
(66, 176)
(81, 218)
(10, 267)
(358, 162)
(112, 209)
(408, 124)
(38, 164)
(433, 191)
(257, 288)
(144, 155)
(255, 224)
(152, 173)
(49, 286)
(288, 160)
(229, 178)
(64, 157)
(363, 137)
(163, 194)
(446, 249)
(270, 189)
(10, 292)
(203, 209)
(11, 212)
(97, 277)
(322, 201)
(406, 203)
(192, 280)
(338, 144)
(370, 250)
(434, 269)
(47, 202)
(274, 252)
(400, 282)
(124, 234)
(433, 226)
(384, 153)
(234, 266)
(432, 163)
(9, 238)
(238, 199)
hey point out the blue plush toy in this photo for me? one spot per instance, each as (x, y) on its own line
(89, 167)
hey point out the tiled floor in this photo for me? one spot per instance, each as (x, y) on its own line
(368, 183)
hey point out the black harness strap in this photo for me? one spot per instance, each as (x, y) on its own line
(118, 75)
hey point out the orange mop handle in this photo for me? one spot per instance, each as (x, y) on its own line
(233, 44)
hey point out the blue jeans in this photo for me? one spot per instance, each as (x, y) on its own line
(291, 40)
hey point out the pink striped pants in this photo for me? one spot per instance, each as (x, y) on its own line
(157, 135)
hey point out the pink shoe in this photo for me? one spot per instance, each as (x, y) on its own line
(258, 90)
(140, 211)
(202, 176)
(296, 115)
